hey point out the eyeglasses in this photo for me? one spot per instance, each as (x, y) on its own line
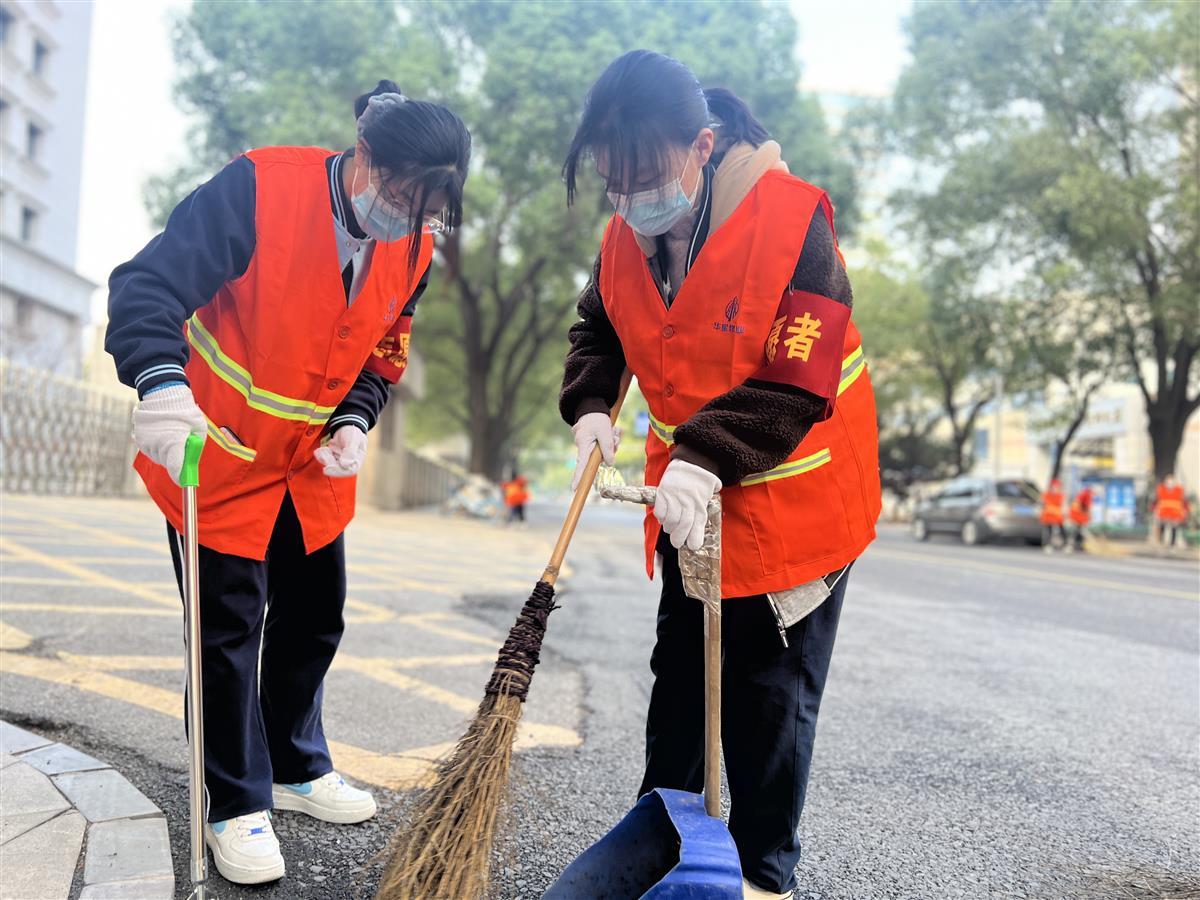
(397, 206)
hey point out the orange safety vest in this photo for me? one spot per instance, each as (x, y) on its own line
(1170, 505)
(1081, 508)
(273, 354)
(515, 492)
(815, 512)
(1052, 507)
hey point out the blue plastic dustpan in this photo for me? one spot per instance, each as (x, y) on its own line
(666, 848)
(673, 845)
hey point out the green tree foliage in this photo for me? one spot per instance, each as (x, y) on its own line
(493, 324)
(1058, 136)
(930, 341)
(1064, 351)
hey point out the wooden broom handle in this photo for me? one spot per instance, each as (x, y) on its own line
(550, 576)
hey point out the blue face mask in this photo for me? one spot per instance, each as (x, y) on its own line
(653, 212)
(378, 218)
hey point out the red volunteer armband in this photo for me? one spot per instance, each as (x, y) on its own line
(804, 348)
(390, 356)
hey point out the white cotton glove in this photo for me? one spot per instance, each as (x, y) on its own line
(343, 455)
(162, 422)
(592, 429)
(682, 503)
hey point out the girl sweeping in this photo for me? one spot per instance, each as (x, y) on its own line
(720, 285)
(273, 313)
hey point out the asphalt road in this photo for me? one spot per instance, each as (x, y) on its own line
(998, 723)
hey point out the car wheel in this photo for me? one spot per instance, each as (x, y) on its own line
(920, 531)
(971, 534)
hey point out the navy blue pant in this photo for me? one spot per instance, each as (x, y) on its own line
(262, 718)
(770, 699)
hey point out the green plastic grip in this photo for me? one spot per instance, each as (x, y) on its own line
(189, 476)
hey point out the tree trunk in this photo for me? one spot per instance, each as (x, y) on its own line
(1061, 448)
(1166, 437)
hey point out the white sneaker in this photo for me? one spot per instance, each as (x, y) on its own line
(328, 798)
(750, 892)
(245, 848)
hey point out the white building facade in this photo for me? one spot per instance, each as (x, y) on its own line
(44, 302)
(1112, 442)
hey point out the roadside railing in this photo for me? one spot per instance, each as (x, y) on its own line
(425, 481)
(62, 436)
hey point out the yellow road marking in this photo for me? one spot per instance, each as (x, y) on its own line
(91, 609)
(385, 675)
(529, 734)
(124, 663)
(87, 575)
(421, 662)
(403, 584)
(397, 772)
(430, 622)
(74, 582)
(12, 638)
(371, 611)
(47, 582)
(410, 768)
(119, 560)
(1028, 572)
(106, 536)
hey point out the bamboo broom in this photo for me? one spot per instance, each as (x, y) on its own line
(447, 849)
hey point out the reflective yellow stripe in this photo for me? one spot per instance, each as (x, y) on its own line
(217, 436)
(239, 379)
(666, 433)
(788, 469)
(852, 367)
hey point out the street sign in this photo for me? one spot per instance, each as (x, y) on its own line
(641, 424)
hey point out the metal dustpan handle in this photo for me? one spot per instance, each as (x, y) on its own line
(189, 478)
(702, 580)
(701, 571)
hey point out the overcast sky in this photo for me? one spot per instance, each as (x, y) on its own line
(134, 130)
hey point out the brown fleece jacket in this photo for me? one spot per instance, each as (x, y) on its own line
(752, 427)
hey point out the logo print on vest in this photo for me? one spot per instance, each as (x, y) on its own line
(390, 315)
(732, 308)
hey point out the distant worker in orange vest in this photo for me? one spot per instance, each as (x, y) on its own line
(1170, 510)
(516, 495)
(273, 314)
(1053, 501)
(720, 286)
(1081, 516)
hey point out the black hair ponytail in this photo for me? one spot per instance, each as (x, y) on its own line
(738, 124)
(384, 87)
(424, 145)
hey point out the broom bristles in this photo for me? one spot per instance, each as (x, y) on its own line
(446, 852)
(447, 849)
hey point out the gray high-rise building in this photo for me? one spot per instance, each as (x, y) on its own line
(44, 302)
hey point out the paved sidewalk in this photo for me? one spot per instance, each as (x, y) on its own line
(62, 809)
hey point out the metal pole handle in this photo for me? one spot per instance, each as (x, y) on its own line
(701, 574)
(707, 583)
(189, 478)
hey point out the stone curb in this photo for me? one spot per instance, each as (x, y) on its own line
(57, 802)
